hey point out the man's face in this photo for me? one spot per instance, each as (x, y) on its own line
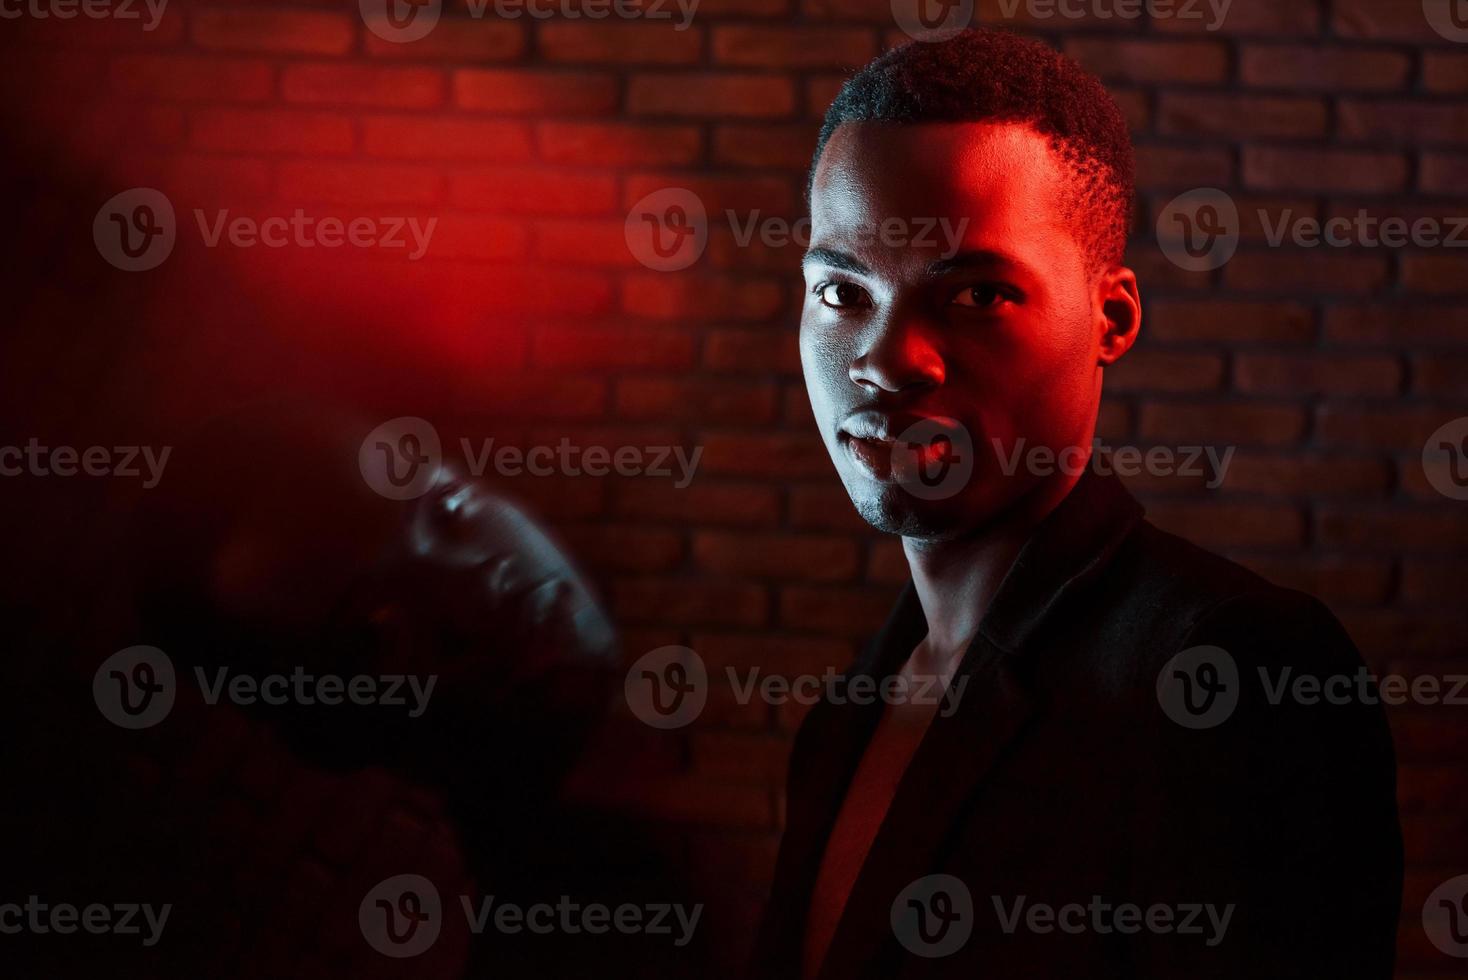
(923, 352)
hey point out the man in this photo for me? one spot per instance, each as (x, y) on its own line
(1128, 778)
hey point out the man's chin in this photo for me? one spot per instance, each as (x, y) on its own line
(892, 510)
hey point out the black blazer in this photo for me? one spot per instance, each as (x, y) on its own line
(1060, 780)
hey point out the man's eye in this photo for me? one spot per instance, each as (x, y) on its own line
(842, 295)
(982, 297)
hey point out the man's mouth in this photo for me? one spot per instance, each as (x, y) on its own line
(891, 448)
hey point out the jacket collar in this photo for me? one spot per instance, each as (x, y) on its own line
(1068, 549)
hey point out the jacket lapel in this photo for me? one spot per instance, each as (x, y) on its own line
(1067, 550)
(832, 740)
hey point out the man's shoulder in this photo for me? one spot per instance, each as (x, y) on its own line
(1181, 595)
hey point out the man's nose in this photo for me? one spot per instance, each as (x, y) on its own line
(899, 354)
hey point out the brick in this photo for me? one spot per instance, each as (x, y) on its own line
(1445, 72)
(357, 183)
(1299, 18)
(1444, 173)
(809, 558)
(191, 78)
(1299, 67)
(600, 243)
(647, 43)
(775, 455)
(703, 401)
(702, 502)
(820, 92)
(442, 138)
(1440, 374)
(1426, 580)
(1182, 168)
(1241, 116)
(710, 95)
(623, 548)
(527, 190)
(463, 236)
(750, 46)
(847, 611)
(270, 131)
(611, 347)
(617, 144)
(771, 197)
(1359, 374)
(752, 351)
(1292, 271)
(1387, 427)
(1172, 371)
(1279, 168)
(1230, 526)
(887, 562)
(379, 87)
(772, 651)
(745, 8)
(1191, 62)
(455, 40)
(1435, 532)
(1392, 325)
(824, 507)
(681, 602)
(1312, 474)
(1435, 274)
(1221, 423)
(1229, 321)
(275, 31)
(766, 147)
(534, 93)
(1372, 20)
(1398, 121)
(684, 296)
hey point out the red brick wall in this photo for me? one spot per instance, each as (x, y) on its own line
(1328, 368)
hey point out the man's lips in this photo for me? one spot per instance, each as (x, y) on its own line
(879, 441)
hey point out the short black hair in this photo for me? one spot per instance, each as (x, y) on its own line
(997, 76)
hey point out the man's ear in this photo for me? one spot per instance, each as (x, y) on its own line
(1121, 313)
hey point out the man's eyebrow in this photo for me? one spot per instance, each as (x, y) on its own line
(978, 258)
(836, 260)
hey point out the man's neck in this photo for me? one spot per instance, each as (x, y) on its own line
(956, 579)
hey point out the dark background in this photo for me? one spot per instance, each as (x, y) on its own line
(531, 320)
